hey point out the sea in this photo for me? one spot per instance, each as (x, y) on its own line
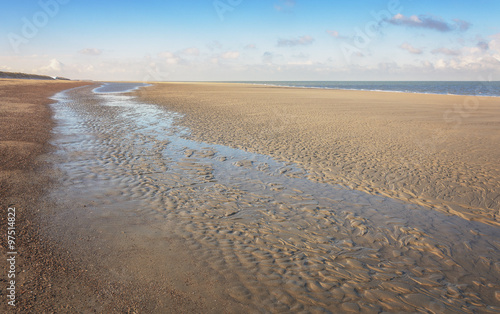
(472, 88)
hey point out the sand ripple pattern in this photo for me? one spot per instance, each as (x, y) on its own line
(404, 146)
(286, 243)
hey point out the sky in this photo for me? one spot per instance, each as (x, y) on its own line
(252, 40)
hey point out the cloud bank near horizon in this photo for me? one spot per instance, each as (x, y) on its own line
(284, 40)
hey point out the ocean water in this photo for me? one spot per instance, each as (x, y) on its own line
(118, 88)
(475, 88)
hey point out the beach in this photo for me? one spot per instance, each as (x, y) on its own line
(250, 157)
(438, 151)
(25, 128)
(238, 198)
(49, 278)
(58, 268)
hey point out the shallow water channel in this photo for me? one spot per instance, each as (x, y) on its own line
(267, 238)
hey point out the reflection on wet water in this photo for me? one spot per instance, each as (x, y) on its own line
(108, 88)
(285, 242)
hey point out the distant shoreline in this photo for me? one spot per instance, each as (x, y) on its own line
(261, 84)
(26, 76)
(486, 89)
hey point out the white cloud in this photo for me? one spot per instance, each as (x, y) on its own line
(494, 46)
(445, 63)
(333, 33)
(192, 51)
(55, 67)
(5, 68)
(441, 64)
(429, 22)
(410, 49)
(474, 60)
(169, 57)
(230, 55)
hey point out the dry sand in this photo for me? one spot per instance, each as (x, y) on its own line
(25, 126)
(439, 151)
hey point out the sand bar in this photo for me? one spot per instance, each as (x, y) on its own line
(439, 151)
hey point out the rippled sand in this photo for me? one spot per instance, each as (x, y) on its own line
(438, 151)
(240, 231)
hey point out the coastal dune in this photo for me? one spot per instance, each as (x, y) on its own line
(439, 151)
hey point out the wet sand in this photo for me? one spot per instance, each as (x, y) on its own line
(438, 151)
(48, 277)
(235, 231)
(108, 206)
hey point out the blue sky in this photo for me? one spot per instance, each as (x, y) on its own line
(252, 40)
